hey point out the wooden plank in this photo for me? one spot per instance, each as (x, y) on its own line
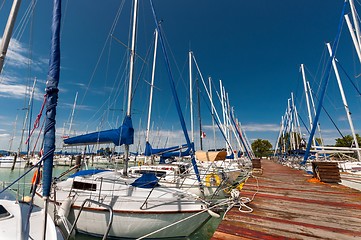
(288, 206)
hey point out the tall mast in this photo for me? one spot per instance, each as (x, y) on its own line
(152, 85)
(307, 101)
(279, 137)
(26, 116)
(72, 114)
(212, 110)
(344, 102)
(131, 73)
(191, 95)
(8, 31)
(355, 22)
(12, 138)
(354, 40)
(199, 116)
(294, 123)
(314, 111)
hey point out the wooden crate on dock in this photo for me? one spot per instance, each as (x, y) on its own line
(326, 172)
(256, 165)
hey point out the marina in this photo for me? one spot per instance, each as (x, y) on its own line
(151, 148)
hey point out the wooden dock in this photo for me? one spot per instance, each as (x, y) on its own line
(289, 206)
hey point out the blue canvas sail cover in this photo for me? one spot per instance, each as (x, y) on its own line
(122, 135)
(51, 99)
(147, 180)
(149, 150)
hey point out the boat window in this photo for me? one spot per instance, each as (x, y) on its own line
(157, 173)
(3, 212)
(84, 186)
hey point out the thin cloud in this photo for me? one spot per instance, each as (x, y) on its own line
(11, 84)
(17, 91)
(4, 135)
(77, 107)
(257, 127)
(17, 57)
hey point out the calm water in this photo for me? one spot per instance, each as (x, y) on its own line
(23, 188)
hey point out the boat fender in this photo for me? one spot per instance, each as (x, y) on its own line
(212, 179)
(35, 179)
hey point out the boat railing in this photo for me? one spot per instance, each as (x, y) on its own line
(146, 200)
(100, 204)
(19, 190)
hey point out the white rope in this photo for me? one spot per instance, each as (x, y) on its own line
(235, 200)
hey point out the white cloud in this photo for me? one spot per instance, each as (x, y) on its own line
(77, 107)
(257, 127)
(11, 84)
(17, 56)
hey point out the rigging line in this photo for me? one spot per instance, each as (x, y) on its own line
(303, 123)
(63, 18)
(142, 70)
(22, 23)
(216, 121)
(324, 83)
(127, 47)
(26, 20)
(322, 70)
(174, 60)
(103, 49)
(329, 116)
(348, 77)
(1, 7)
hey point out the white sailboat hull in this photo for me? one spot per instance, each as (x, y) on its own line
(13, 226)
(7, 162)
(137, 211)
(136, 225)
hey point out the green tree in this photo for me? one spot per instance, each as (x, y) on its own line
(347, 141)
(261, 148)
(319, 141)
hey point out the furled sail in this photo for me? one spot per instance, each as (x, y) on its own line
(51, 99)
(122, 135)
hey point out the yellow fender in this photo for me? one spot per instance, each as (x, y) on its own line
(212, 179)
(238, 186)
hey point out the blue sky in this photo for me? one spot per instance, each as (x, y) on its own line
(254, 47)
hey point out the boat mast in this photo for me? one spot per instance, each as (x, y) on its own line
(12, 138)
(344, 101)
(131, 75)
(354, 40)
(307, 101)
(25, 121)
(72, 114)
(314, 111)
(8, 31)
(212, 111)
(152, 85)
(191, 94)
(201, 135)
(355, 22)
(294, 124)
(279, 137)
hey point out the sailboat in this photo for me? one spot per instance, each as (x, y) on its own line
(110, 203)
(23, 220)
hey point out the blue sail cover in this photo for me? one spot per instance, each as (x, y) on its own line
(160, 151)
(122, 135)
(147, 180)
(51, 98)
